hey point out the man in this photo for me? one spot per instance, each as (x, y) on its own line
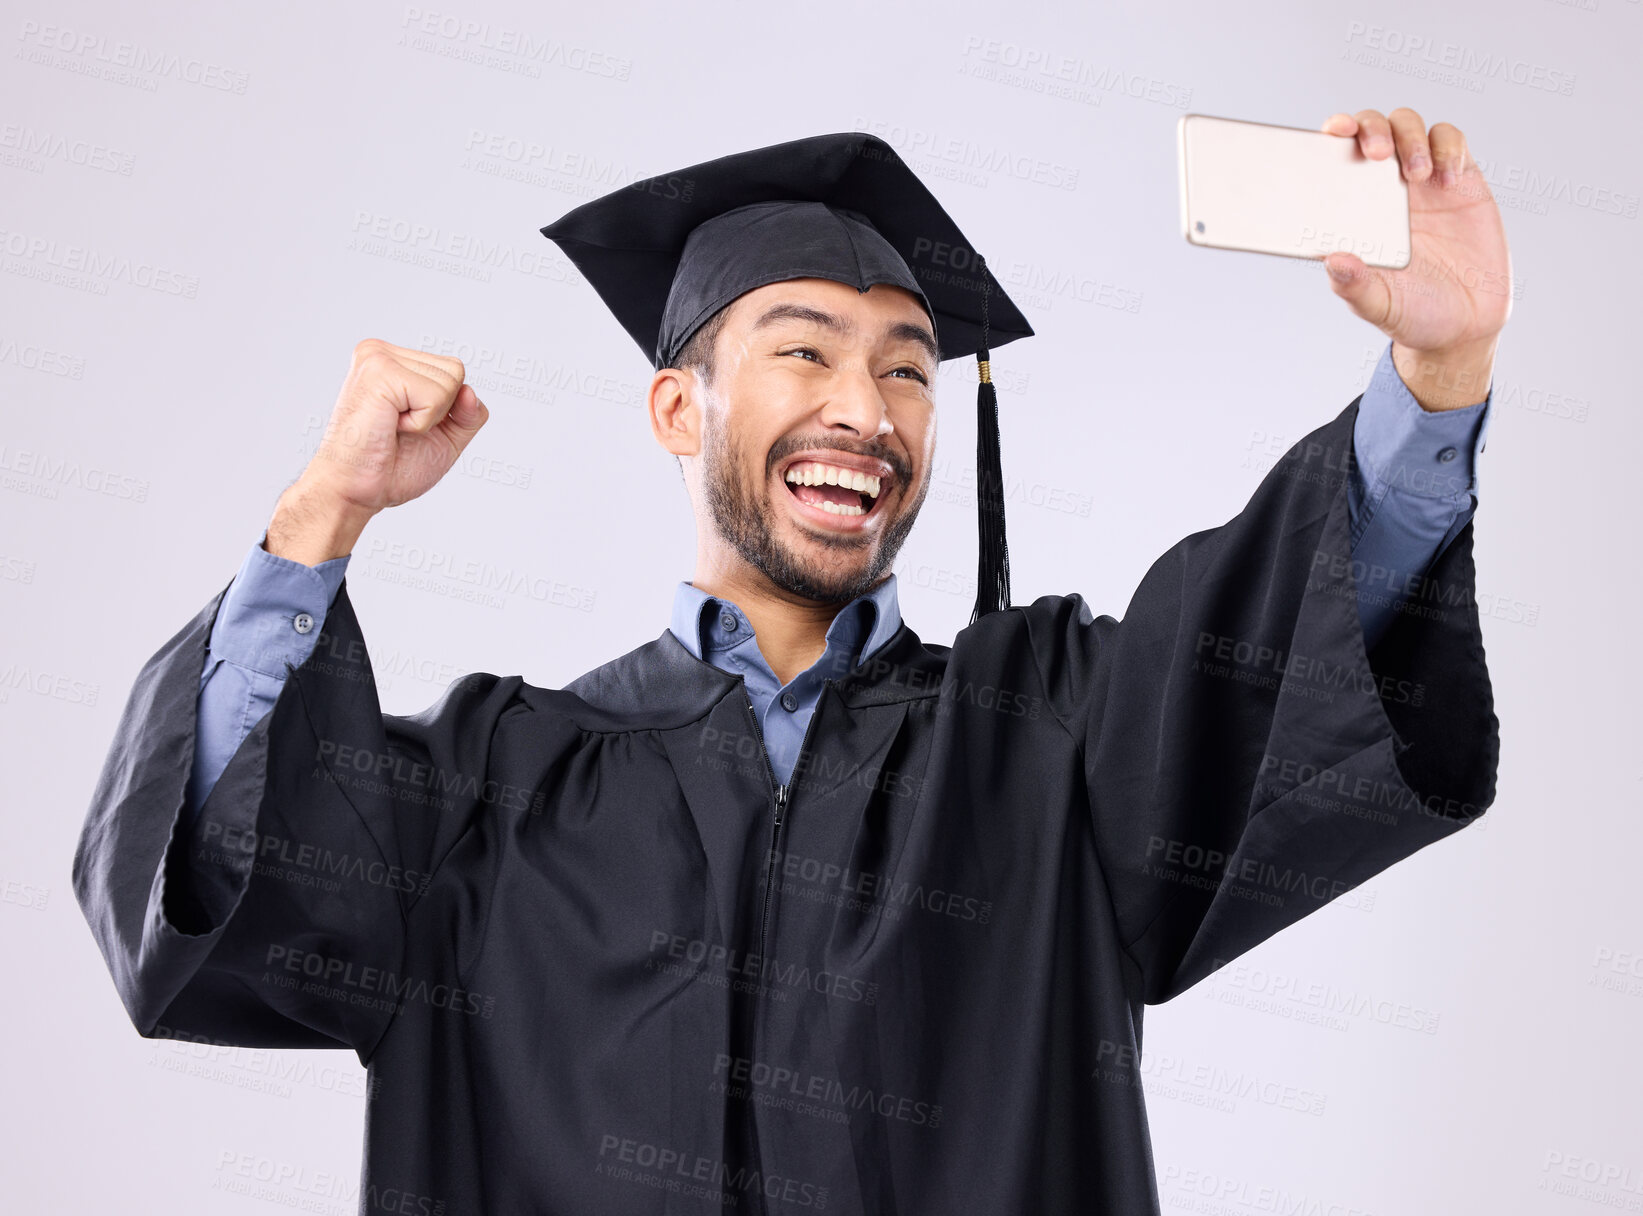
(787, 910)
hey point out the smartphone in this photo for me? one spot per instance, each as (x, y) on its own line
(1291, 191)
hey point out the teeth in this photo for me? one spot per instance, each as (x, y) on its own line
(812, 473)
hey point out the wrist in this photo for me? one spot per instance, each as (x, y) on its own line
(313, 525)
(1449, 378)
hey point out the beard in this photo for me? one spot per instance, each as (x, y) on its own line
(745, 519)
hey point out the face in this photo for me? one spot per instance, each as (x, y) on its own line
(810, 451)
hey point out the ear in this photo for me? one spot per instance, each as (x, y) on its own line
(675, 417)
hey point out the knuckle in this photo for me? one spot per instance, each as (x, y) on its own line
(445, 362)
(372, 358)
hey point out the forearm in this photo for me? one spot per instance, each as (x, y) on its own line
(1450, 379)
(311, 525)
(270, 616)
(1413, 487)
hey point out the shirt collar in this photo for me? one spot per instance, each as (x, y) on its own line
(698, 622)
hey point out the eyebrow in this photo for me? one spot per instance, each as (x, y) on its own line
(905, 331)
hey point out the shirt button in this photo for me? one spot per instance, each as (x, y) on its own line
(789, 702)
(727, 622)
(303, 622)
(1446, 455)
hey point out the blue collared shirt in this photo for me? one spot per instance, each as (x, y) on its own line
(1411, 488)
(715, 630)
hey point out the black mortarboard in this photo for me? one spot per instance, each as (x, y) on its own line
(668, 252)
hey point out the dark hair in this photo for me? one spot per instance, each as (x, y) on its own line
(697, 355)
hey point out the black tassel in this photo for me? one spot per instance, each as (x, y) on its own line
(993, 557)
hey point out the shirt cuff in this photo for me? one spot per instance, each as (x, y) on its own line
(273, 611)
(1404, 447)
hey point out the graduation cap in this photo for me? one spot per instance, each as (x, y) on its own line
(666, 253)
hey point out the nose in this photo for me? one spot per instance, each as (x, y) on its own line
(854, 401)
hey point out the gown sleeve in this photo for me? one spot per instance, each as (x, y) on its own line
(277, 914)
(1246, 760)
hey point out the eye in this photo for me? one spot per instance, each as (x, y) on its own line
(814, 356)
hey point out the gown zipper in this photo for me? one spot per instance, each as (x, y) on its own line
(781, 797)
(778, 793)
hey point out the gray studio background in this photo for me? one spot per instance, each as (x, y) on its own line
(202, 210)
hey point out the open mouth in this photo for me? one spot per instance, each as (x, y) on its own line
(847, 493)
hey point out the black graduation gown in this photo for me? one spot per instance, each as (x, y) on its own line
(590, 971)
